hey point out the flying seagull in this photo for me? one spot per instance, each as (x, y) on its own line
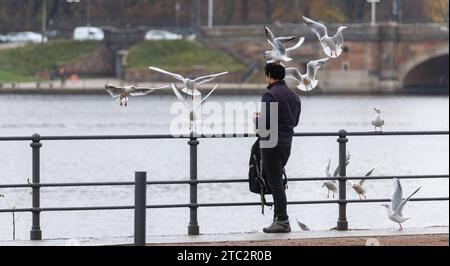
(332, 46)
(279, 51)
(378, 121)
(190, 85)
(192, 109)
(122, 93)
(397, 204)
(308, 81)
(331, 185)
(358, 186)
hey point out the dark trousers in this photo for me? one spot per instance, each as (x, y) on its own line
(274, 160)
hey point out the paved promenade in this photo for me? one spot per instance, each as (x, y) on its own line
(410, 236)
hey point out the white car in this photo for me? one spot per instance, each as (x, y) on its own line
(24, 37)
(88, 34)
(154, 35)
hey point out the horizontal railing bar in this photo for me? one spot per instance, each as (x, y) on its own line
(229, 204)
(16, 186)
(399, 133)
(16, 210)
(388, 200)
(223, 135)
(399, 177)
(181, 182)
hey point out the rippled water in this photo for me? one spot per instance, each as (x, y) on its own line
(88, 161)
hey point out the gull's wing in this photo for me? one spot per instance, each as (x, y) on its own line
(113, 90)
(313, 66)
(361, 182)
(286, 39)
(269, 35)
(175, 76)
(299, 43)
(206, 97)
(204, 79)
(397, 196)
(327, 168)
(399, 209)
(347, 161)
(303, 226)
(338, 38)
(141, 91)
(319, 29)
(179, 96)
(293, 73)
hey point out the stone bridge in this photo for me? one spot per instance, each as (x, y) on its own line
(385, 58)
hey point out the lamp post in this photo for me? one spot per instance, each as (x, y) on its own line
(88, 13)
(177, 14)
(374, 11)
(44, 20)
(210, 13)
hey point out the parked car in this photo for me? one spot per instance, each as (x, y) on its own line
(154, 35)
(23, 37)
(88, 34)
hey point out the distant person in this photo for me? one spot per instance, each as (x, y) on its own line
(275, 158)
(63, 75)
(52, 73)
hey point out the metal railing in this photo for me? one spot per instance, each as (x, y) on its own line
(141, 182)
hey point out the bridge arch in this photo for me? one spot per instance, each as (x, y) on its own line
(430, 69)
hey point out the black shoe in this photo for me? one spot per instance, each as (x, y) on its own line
(278, 227)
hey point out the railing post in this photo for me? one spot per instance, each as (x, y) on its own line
(342, 223)
(140, 201)
(36, 233)
(193, 228)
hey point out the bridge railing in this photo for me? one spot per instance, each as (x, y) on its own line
(141, 182)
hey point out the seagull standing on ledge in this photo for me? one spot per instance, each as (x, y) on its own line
(332, 46)
(397, 204)
(279, 52)
(358, 186)
(331, 185)
(122, 93)
(190, 85)
(308, 81)
(378, 121)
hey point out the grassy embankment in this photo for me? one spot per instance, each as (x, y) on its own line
(21, 64)
(180, 56)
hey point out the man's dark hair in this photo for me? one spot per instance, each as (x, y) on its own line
(275, 71)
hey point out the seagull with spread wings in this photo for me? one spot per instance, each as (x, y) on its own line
(190, 85)
(395, 209)
(308, 81)
(358, 186)
(332, 46)
(331, 185)
(191, 108)
(122, 93)
(279, 50)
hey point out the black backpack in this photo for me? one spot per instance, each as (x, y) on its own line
(257, 180)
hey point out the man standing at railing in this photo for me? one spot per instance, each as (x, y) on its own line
(280, 114)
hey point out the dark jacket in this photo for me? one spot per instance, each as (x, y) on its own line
(289, 109)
